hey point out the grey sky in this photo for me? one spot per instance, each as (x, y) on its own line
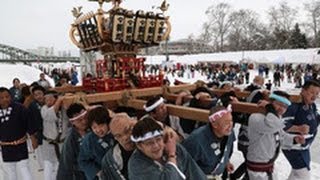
(32, 23)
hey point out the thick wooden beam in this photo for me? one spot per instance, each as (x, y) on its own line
(245, 107)
(136, 104)
(244, 94)
(240, 94)
(195, 113)
(68, 89)
(183, 112)
(118, 95)
(188, 113)
(190, 87)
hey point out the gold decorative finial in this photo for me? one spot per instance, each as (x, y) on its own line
(76, 11)
(164, 6)
(116, 3)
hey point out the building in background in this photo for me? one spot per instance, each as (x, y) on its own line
(181, 47)
(42, 51)
(50, 51)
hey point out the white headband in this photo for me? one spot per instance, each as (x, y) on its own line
(219, 114)
(79, 116)
(153, 106)
(147, 136)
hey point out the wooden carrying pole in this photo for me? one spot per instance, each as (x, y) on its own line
(181, 111)
(195, 113)
(118, 95)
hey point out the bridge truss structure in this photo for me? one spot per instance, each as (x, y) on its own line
(9, 54)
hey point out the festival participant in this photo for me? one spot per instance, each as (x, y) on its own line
(15, 124)
(226, 85)
(68, 163)
(55, 127)
(211, 145)
(44, 82)
(180, 100)
(277, 78)
(35, 109)
(157, 109)
(158, 157)
(188, 125)
(268, 85)
(96, 143)
(257, 83)
(257, 93)
(115, 162)
(266, 135)
(15, 91)
(302, 118)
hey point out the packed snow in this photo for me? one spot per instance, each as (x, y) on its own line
(299, 56)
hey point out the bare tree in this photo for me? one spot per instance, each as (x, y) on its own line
(313, 12)
(245, 30)
(191, 43)
(219, 22)
(282, 17)
(205, 36)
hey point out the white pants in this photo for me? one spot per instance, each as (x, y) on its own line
(39, 156)
(11, 170)
(50, 170)
(260, 175)
(299, 174)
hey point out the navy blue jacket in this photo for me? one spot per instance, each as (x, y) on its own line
(204, 147)
(91, 153)
(299, 114)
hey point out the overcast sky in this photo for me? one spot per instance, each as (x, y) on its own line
(32, 23)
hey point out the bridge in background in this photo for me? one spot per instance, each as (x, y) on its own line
(9, 54)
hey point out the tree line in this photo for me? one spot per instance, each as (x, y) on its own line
(228, 29)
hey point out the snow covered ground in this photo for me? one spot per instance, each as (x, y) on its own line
(28, 74)
(310, 56)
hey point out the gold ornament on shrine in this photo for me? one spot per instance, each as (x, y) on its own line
(119, 30)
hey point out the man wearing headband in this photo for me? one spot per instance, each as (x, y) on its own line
(115, 162)
(257, 93)
(157, 109)
(265, 136)
(302, 118)
(188, 125)
(158, 157)
(95, 143)
(55, 127)
(68, 163)
(211, 145)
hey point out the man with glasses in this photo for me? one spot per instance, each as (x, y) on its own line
(266, 135)
(211, 145)
(68, 163)
(158, 157)
(302, 118)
